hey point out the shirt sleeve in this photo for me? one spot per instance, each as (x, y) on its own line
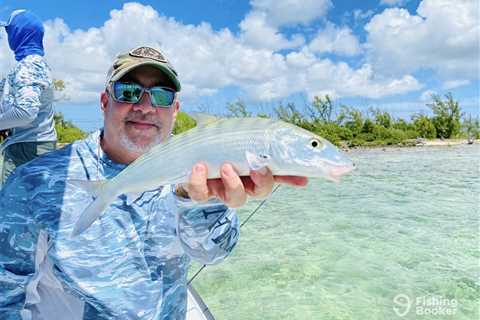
(209, 231)
(27, 100)
(18, 239)
(3, 80)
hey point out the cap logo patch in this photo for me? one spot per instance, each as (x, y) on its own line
(147, 52)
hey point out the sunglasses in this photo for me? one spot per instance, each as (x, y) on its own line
(131, 92)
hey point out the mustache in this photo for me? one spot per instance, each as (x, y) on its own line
(140, 117)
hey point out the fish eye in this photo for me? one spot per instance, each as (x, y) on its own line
(315, 143)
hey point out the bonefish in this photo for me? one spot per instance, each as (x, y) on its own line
(246, 143)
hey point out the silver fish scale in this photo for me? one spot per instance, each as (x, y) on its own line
(225, 139)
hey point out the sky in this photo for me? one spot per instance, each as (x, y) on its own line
(388, 54)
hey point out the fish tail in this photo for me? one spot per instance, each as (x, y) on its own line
(99, 190)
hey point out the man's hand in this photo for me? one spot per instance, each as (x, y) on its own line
(232, 189)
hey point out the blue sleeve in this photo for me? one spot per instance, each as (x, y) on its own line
(2, 84)
(208, 231)
(18, 240)
(29, 86)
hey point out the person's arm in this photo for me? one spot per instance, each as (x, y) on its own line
(3, 80)
(29, 88)
(208, 231)
(18, 238)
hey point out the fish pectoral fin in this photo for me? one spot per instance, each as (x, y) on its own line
(255, 161)
(93, 188)
(93, 211)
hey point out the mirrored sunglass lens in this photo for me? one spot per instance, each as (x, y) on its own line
(162, 97)
(127, 92)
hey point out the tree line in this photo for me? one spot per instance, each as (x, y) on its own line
(350, 126)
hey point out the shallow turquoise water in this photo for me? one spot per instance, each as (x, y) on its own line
(395, 240)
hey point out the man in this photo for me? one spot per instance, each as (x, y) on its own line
(26, 109)
(131, 263)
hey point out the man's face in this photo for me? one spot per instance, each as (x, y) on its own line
(132, 129)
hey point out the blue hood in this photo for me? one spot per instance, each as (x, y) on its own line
(25, 35)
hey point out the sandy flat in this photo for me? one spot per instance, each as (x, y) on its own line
(446, 142)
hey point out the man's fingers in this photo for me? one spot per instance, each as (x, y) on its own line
(235, 195)
(216, 188)
(263, 181)
(197, 185)
(232, 189)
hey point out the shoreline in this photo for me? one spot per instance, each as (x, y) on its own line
(415, 144)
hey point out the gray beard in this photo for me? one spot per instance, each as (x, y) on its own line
(132, 147)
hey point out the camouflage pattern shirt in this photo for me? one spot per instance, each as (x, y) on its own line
(27, 102)
(130, 264)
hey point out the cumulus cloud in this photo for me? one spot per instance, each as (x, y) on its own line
(455, 84)
(6, 58)
(209, 60)
(291, 12)
(341, 80)
(359, 15)
(256, 32)
(261, 26)
(336, 40)
(443, 36)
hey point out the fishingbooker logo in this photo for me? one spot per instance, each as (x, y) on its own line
(424, 305)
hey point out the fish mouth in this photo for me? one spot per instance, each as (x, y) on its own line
(336, 172)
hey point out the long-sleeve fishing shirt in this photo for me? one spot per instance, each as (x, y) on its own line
(26, 102)
(130, 264)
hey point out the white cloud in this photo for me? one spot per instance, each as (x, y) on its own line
(455, 84)
(340, 80)
(393, 2)
(359, 14)
(6, 57)
(260, 27)
(291, 12)
(443, 37)
(335, 40)
(207, 60)
(256, 32)
(80, 58)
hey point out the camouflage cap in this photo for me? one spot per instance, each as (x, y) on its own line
(140, 56)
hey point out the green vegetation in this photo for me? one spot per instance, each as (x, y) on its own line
(471, 127)
(424, 126)
(349, 126)
(66, 131)
(446, 117)
(183, 123)
(58, 85)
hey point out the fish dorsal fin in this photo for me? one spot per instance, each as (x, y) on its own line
(203, 119)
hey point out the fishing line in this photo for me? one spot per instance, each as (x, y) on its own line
(243, 223)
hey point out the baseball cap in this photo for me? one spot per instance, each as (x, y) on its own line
(141, 56)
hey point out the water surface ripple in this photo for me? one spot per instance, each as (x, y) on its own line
(404, 225)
